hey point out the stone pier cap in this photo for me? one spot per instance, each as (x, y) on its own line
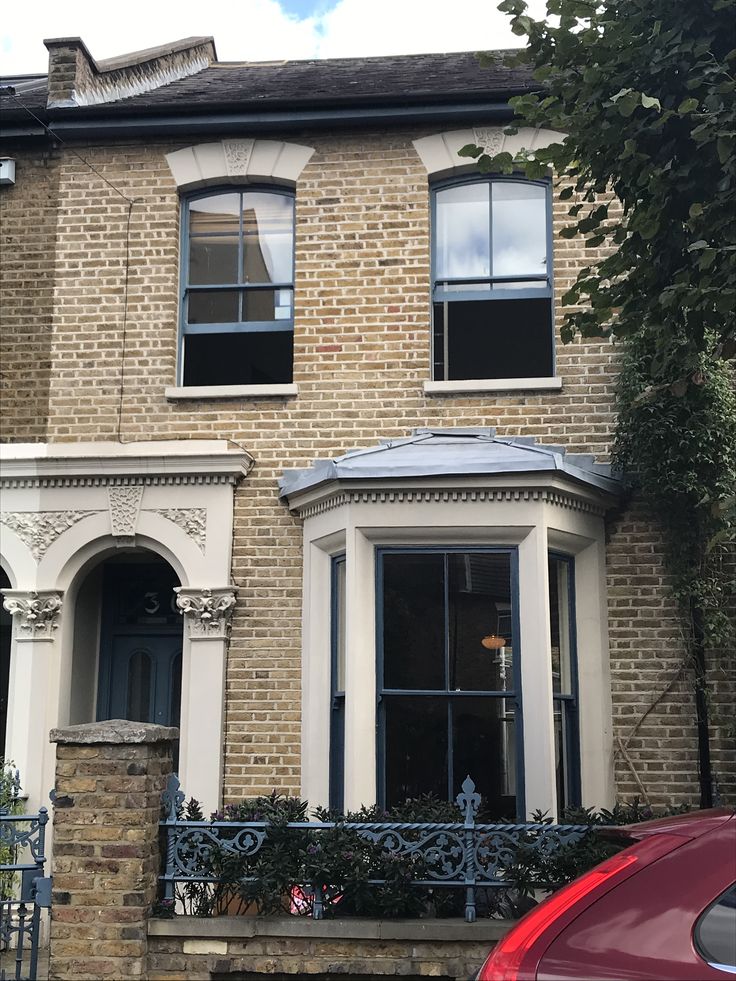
(114, 731)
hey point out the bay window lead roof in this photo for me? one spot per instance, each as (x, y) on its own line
(454, 452)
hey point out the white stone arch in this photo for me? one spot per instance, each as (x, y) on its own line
(439, 153)
(77, 547)
(16, 559)
(72, 505)
(244, 159)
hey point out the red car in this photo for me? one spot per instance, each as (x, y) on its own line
(663, 909)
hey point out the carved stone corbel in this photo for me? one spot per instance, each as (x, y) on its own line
(207, 612)
(36, 613)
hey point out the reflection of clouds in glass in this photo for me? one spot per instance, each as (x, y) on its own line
(463, 248)
(268, 231)
(519, 230)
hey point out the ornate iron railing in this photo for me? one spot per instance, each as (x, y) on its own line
(24, 891)
(461, 855)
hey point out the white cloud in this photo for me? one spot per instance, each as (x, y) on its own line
(257, 30)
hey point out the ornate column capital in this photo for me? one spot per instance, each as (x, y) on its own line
(36, 613)
(207, 611)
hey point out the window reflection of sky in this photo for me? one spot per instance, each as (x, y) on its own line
(464, 228)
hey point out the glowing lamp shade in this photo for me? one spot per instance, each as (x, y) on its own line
(493, 642)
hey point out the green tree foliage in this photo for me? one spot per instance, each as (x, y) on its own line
(645, 91)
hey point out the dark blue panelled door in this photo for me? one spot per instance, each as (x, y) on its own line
(140, 645)
(145, 679)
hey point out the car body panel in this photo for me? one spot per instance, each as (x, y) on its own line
(642, 929)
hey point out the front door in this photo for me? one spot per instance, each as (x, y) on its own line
(140, 644)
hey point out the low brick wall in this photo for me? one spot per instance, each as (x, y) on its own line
(246, 947)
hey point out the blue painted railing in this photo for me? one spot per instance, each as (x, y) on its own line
(461, 855)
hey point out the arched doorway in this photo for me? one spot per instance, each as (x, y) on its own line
(128, 642)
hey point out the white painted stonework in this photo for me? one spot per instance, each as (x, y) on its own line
(250, 159)
(64, 508)
(439, 153)
(534, 513)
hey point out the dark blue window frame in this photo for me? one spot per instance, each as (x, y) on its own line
(236, 327)
(442, 295)
(567, 704)
(514, 695)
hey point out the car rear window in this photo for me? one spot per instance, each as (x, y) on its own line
(715, 931)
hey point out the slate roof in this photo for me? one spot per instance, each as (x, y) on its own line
(451, 453)
(401, 80)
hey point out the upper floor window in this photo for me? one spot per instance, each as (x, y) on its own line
(492, 280)
(237, 289)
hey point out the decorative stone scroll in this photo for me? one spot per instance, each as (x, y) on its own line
(125, 504)
(36, 613)
(40, 529)
(207, 611)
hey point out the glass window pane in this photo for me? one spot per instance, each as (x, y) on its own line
(484, 747)
(716, 932)
(519, 219)
(560, 626)
(413, 620)
(238, 359)
(138, 702)
(213, 307)
(496, 338)
(339, 627)
(217, 213)
(479, 622)
(268, 237)
(462, 232)
(416, 747)
(213, 259)
(175, 689)
(260, 305)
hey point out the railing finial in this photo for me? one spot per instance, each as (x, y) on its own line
(172, 798)
(468, 800)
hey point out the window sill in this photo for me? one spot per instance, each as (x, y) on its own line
(179, 392)
(492, 385)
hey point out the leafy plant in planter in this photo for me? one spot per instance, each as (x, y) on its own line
(10, 803)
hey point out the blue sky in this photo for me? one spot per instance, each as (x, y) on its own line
(257, 30)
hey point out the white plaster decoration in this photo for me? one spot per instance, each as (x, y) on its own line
(193, 521)
(490, 138)
(171, 462)
(40, 529)
(439, 153)
(250, 159)
(448, 496)
(36, 613)
(207, 611)
(125, 504)
(237, 156)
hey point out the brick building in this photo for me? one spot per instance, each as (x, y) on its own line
(277, 359)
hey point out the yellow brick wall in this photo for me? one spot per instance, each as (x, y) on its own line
(27, 245)
(362, 336)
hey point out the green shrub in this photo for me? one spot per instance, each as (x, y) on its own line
(290, 866)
